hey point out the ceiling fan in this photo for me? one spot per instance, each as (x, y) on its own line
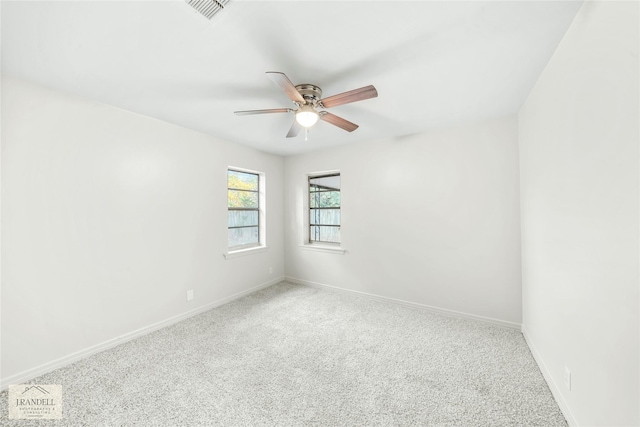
(307, 98)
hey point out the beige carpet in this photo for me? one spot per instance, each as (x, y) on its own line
(293, 355)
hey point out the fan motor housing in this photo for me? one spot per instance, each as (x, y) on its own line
(311, 93)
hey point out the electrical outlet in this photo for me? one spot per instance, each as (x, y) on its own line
(270, 270)
(190, 295)
(567, 378)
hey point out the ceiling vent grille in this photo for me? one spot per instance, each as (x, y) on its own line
(207, 8)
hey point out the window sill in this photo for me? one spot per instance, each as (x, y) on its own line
(244, 252)
(322, 248)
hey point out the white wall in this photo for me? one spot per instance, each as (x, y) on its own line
(431, 218)
(108, 218)
(579, 201)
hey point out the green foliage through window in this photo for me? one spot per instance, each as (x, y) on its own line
(243, 202)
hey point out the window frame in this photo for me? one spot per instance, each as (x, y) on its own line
(309, 208)
(261, 243)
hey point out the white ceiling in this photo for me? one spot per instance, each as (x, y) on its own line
(434, 63)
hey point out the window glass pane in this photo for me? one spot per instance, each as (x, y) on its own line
(324, 216)
(243, 236)
(324, 208)
(324, 183)
(324, 234)
(242, 180)
(243, 218)
(324, 199)
(242, 199)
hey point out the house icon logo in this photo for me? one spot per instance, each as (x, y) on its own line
(35, 401)
(39, 388)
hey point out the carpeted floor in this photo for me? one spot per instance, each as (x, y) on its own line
(293, 355)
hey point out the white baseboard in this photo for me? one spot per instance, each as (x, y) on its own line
(32, 373)
(443, 311)
(555, 390)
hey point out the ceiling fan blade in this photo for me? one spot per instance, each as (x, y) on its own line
(295, 129)
(338, 121)
(355, 95)
(273, 110)
(285, 84)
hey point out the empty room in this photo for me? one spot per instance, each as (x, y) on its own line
(327, 213)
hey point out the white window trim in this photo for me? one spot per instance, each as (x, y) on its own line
(245, 251)
(338, 250)
(335, 248)
(262, 216)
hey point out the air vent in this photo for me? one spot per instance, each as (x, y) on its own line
(207, 8)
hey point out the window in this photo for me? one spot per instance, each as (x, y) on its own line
(243, 196)
(324, 208)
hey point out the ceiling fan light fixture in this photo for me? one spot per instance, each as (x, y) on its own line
(307, 97)
(306, 116)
